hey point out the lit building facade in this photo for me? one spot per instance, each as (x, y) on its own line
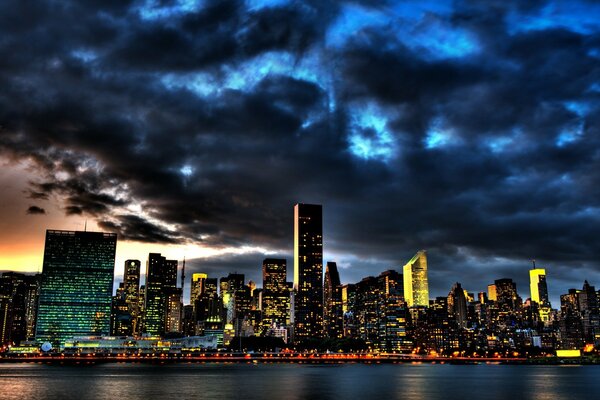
(131, 281)
(416, 285)
(76, 288)
(539, 292)
(308, 271)
(161, 280)
(275, 295)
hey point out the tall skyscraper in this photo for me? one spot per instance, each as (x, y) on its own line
(197, 287)
(416, 285)
(538, 286)
(333, 316)
(161, 281)
(308, 271)
(539, 292)
(275, 294)
(131, 285)
(77, 279)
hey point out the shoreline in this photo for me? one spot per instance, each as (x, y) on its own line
(241, 358)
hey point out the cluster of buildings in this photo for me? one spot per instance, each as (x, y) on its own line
(71, 303)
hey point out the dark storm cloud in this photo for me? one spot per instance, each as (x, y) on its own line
(460, 131)
(33, 210)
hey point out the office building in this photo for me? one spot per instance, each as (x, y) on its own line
(275, 295)
(416, 286)
(161, 281)
(76, 288)
(308, 271)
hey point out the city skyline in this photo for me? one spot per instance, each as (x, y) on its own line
(73, 306)
(190, 127)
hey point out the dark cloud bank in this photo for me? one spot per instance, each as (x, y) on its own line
(100, 99)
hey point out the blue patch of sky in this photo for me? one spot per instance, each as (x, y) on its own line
(245, 75)
(438, 135)
(258, 4)
(186, 170)
(422, 28)
(570, 135)
(84, 55)
(370, 139)
(156, 9)
(574, 132)
(594, 87)
(581, 108)
(577, 16)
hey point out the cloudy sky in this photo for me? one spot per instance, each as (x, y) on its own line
(467, 128)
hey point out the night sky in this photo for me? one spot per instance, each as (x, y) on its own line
(467, 128)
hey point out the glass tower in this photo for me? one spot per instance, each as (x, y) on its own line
(161, 281)
(77, 283)
(416, 286)
(308, 271)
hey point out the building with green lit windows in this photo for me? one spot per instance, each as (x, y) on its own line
(76, 289)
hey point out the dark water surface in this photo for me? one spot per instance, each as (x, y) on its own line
(293, 381)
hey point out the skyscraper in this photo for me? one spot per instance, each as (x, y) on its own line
(131, 285)
(161, 281)
(457, 305)
(197, 287)
(275, 294)
(308, 271)
(416, 286)
(539, 292)
(77, 279)
(538, 286)
(506, 294)
(333, 316)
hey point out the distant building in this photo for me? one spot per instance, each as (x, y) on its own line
(197, 287)
(308, 271)
(457, 305)
(333, 317)
(492, 295)
(77, 279)
(416, 285)
(18, 306)
(506, 294)
(131, 286)
(539, 292)
(275, 295)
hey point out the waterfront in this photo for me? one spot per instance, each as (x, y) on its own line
(294, 381)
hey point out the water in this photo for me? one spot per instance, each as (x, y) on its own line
(293, 381)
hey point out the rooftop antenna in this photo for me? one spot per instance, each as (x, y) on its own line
(533, 261)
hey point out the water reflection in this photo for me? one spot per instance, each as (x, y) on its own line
(296, 382)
